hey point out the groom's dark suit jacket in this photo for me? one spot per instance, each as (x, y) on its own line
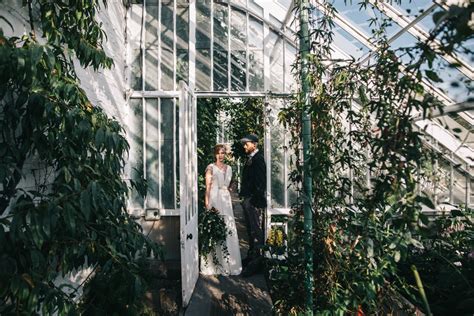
(253, 183)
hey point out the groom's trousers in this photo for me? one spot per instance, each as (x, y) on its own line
(254, 221)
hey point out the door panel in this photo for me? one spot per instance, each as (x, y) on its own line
(188, 192)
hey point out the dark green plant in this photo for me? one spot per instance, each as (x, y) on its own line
(446, 262)
(73, 214)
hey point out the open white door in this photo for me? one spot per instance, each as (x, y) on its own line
(188, 192)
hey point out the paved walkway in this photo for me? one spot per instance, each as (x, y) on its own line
(231, 295)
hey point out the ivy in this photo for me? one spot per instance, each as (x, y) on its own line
(62, 197)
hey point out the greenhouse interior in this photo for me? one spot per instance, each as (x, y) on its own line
(236, 157)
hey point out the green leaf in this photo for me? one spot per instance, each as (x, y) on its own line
(85, 204)
(425, 200)
(67, 175)
(396, 256)
(433, 76)
(417, 243)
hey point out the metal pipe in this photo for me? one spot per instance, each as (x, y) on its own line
(306, 138)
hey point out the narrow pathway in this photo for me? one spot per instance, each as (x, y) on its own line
(231, 295)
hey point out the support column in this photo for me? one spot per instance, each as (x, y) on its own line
(306, 139)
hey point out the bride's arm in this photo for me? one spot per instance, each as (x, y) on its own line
(208, 177)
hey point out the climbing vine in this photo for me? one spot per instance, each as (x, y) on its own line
(62, 198)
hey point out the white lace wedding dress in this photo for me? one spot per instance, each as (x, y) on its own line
(220, 199)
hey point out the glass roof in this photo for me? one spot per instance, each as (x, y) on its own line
(411, 22)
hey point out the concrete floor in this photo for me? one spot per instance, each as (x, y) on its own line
(231, 295)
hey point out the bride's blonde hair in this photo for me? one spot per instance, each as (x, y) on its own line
(218, 148)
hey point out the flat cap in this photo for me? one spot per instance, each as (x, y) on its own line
(249, 138)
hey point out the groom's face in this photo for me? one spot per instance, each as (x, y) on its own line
(249, 147)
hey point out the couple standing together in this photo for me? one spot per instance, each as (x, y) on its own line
(253, 186)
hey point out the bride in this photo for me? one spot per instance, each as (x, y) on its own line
(218, 177)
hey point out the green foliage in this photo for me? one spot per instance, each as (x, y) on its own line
(212, 235)
(116, 291)
(208, 127)
(74, 214)
(244, 117)
(364, 138)
(446, 262)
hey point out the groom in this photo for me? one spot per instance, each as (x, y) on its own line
(252, 191)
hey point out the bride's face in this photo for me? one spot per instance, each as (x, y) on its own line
(220, 155)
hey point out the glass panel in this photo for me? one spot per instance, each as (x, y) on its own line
(242, 3)
(135, 139)
(455, 84)
(182, 42)
(459, 188)
(203, 69)
(277, 24)
(151, 47)
(443, 177)
(152, 166)
(134, 33)
(136, 68)
(255, 34)
(203, 45)
(256, 70)
(427, 23)
(167, 153)
(238, 47)
(182, 65)
(471, 195)
(282, 194)
(275, 50)
(238, 70)
(412, 8)
(176, 151)
(151, 69)
(277, 161)
(256, 8)
(255, 55)
(290, 57)
(221, 18)
(361, 18)
(238, 30)
(220, 70)
(151, 26)
(167, 50)
(465, 52)
(348, 43)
